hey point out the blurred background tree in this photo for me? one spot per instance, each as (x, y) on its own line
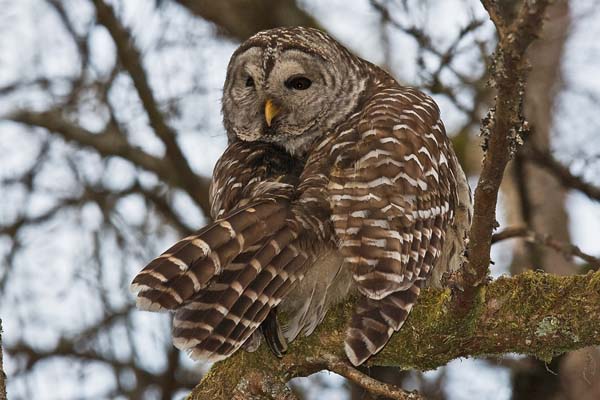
(110, 125)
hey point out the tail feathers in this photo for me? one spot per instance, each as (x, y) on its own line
(226, 313)
(189, 266)
(375, 321)
(272, 296)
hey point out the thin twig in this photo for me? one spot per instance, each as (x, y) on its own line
(566, 249)
(2, 374)
(345, 369)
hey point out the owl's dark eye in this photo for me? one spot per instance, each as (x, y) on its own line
(298, 83)
(249, 82)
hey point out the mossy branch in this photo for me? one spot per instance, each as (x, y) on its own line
(534, 313)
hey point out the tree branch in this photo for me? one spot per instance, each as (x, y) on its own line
(107, 143)
(373, 386)
(566, 249)
(501, 130)
(534, 313)
(562, 173)
(131, 59)
(240, 19)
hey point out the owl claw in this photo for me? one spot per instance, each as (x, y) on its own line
(271, 330)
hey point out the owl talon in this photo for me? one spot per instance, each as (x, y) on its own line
(271, 330)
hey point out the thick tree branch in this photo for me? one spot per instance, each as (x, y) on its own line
(241, 19)
(538, 314)
(131, 59)
(501, 129)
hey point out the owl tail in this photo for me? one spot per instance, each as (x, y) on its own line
(186, 268)
(224, 315)
(374, 321)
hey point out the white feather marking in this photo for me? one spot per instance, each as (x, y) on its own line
(195, 282)
(182, 266)
(202, 245)
(254, 263)
(374, 242)
(235, 285)
(216, 262)
(367, 133)
(226, 225)
(390, 140)
(375, 154)
(362, 260)
(366, 197)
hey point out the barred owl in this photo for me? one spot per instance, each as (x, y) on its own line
(337, 182)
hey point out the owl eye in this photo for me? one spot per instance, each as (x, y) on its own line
(298, 83)
(249, 82)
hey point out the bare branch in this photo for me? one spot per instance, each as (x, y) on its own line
(131, 59)
(501, 130)
(107, 143)
(80, 42)
(373, 386)
(566, 178)
(241, 19)
(568, 250)
(2, 374)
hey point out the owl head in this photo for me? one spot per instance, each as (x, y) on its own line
(288, 86)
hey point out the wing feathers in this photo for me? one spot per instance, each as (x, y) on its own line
(178, 274)
(374, 321)
(390, 196)
(229, 311)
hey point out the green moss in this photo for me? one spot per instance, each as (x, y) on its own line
(534, 313)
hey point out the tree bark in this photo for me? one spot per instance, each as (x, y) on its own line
(543, 194)
(240, 19)
(534, 313)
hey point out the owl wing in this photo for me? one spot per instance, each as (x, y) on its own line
(392, 195)
(249, 201)
(223, 281)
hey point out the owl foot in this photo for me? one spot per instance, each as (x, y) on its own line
(271, 330)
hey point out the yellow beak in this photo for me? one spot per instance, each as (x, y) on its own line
(271, 110)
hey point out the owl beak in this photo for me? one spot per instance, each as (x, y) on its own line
(271, 110)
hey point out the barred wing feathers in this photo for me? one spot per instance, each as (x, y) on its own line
(392, 195)
(188, 266)
(223, 281)
(222, 317)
